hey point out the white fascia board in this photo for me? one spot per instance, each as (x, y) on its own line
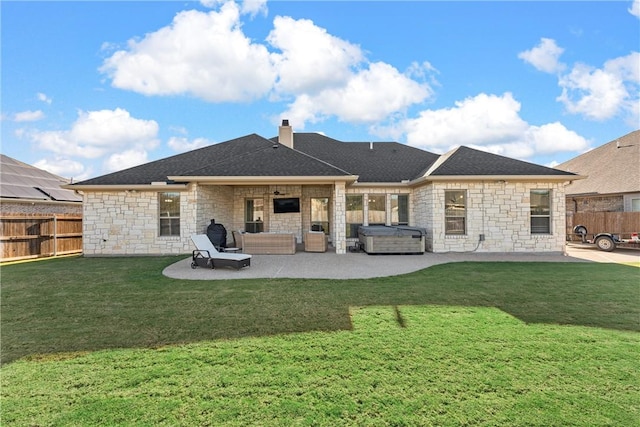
(496, 178)
(137, 187)
(381, 184)
(264, 180)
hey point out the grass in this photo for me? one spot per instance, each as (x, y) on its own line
(91, 341)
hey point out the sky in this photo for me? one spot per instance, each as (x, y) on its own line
(89, 88)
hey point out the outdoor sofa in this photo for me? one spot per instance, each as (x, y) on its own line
(269, 243)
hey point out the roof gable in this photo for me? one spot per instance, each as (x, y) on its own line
(471, 162)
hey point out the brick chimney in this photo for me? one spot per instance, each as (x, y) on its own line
(285, 134)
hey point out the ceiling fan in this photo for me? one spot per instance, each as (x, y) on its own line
(278, 193)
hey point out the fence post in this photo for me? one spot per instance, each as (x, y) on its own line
(55, 235)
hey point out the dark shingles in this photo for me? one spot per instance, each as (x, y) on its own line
(372, 162)
(250, 155)
(318, 155)
(468, 161)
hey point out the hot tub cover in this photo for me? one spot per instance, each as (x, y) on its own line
(394, 230)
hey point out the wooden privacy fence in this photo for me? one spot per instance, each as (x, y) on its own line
(35, 236)
(605, 222)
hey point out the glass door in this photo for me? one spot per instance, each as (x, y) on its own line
(320, 214)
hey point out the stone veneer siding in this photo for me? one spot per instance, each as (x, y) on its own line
(339, 232)
(500, 211)
(127, 223)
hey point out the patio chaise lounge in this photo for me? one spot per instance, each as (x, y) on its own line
(208, 256)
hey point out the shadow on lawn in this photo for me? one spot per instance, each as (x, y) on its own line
(90, 304)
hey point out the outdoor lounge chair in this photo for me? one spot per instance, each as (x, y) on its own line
(208, 256)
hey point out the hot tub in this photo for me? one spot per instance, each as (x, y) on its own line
(398, 239)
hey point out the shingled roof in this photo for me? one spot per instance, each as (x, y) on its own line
(315, 155)
(250, 155)
(371, 161)
(468, 161)
(612, 168)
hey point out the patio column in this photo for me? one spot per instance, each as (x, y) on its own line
(339, 218)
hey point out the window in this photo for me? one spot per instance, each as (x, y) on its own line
(455, 212)
(354, 214)
(169, 206)
(377, 209)
(635, 205)
(320, 214)
(253, 215)
(540, 211)
(399, 209)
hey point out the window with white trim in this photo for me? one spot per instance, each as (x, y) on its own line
(169, 213)
(540, 211)
(455, 212)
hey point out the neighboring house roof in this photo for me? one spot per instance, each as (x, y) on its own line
(315, 155)
(21, 181)
(612, 168)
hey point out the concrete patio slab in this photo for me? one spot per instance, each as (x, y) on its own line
(328, 265)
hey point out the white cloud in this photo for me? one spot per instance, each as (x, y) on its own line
(204, 55)
(44, 98)
(125, 159)
(602, 93)
(254, 7)
(371, 95)
(98, 133)
(28, 116)
(311, 59)
(63, 167)
(544, 57)
(487, 122)
(182, 144)
(635, 8)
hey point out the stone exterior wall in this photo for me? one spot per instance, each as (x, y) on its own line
(501, 212)
(127, 223)
(215, 202)
(285, 222)
(422, 207)
(338, 233)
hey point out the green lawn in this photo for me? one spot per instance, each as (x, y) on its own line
(92, 341)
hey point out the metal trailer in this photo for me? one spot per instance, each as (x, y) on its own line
(607, 241)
